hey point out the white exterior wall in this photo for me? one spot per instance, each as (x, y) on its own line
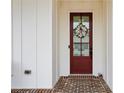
(107, 11)
(109, 44)
(55, 67)
(44, 44)
(28, 42)
(16, 43)
(32, 44)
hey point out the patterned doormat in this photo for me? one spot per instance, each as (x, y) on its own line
(73, 84)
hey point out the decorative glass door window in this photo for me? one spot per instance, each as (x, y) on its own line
(81, 36)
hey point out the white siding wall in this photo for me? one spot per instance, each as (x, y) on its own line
(32, 44)
(54, 43)
(109, 44)
(107, 12)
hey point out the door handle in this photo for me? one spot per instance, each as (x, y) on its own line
(69, 46)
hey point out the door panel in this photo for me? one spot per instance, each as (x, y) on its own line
(80, 43)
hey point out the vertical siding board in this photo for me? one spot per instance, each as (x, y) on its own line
(44, 44)
(29, 42)
(16, 43)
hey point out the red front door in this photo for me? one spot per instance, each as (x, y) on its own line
(81, 43)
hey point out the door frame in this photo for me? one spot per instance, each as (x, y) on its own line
(69, 21)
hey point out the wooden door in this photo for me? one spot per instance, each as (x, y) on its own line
(81, 43)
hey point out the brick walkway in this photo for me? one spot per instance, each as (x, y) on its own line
(73, 84)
